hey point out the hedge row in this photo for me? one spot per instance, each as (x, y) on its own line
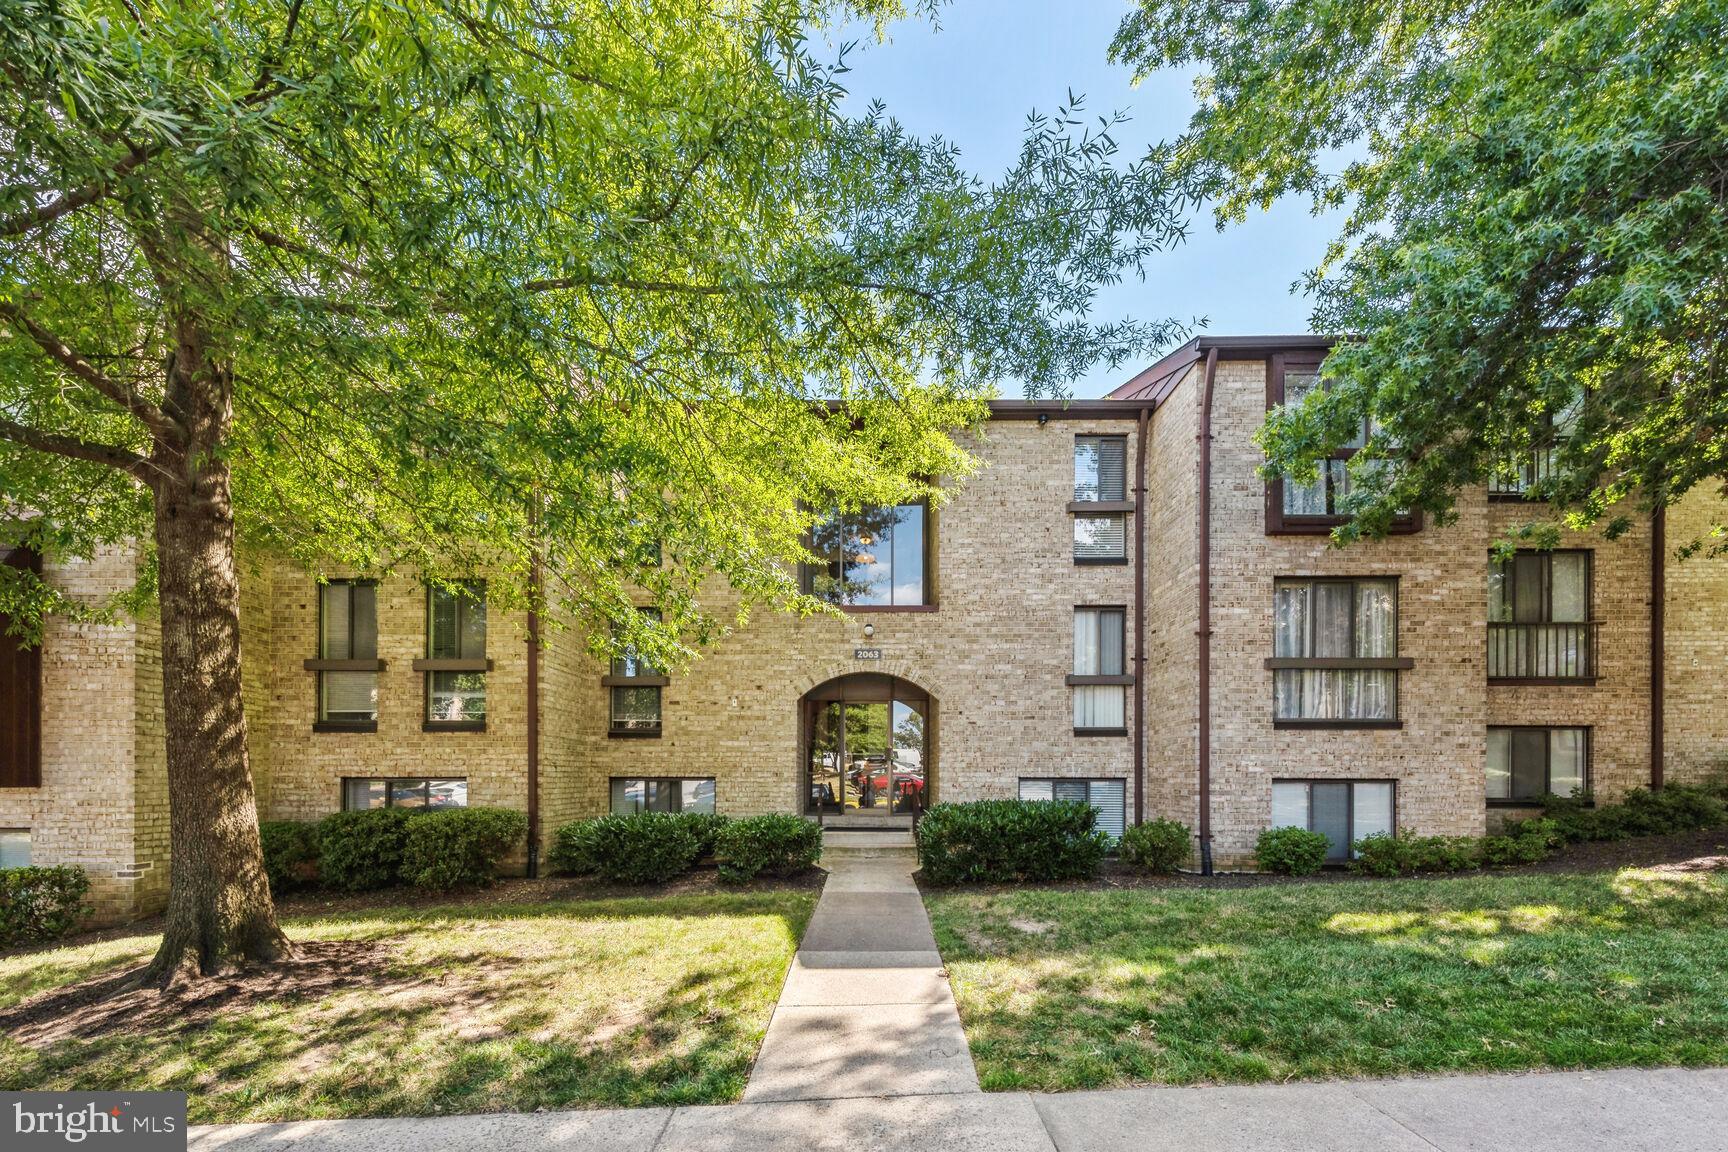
(38, 905)
(438, 850)
(654, 847)
(1004, 841)
(1676, 808)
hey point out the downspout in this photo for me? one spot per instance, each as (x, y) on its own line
(1203, 633)
(1658, 642)
(534, 594)
(1140, 616)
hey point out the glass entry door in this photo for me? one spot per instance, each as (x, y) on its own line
(867, 756)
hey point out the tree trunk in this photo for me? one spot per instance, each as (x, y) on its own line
(220, 914)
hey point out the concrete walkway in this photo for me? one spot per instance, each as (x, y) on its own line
(866, 1010)
(1621, 1111)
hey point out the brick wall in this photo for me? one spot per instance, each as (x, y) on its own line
(1696, 651)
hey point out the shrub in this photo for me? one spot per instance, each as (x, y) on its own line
(362, 850)
(1504, 851)
(290, 854)
(779, 845)
(705, 826)
(1383, 855)
(1676, 808)
(1539, 828)
(1293, 851)
(1001, 841)
(41, 904)
(1161, 846)
(460, 847)
(641, 848)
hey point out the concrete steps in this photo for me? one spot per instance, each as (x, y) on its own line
(866, 842)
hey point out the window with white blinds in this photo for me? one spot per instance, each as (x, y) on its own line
(1098, 651)
(1108, 797)
(1100, 475)
(1345, 811)
(348, 630)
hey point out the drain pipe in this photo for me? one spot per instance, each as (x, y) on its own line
(1140, 617)
(1203, 633)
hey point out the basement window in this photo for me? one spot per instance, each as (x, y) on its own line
(1109, 798)
(14, 847)
(1345, 811)
(360, 794)
(662, 794)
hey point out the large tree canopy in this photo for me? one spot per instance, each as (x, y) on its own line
(1537, 230)
(506, 286)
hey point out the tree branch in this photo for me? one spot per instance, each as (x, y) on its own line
(69, 202)
(152, 417)
(73, 448)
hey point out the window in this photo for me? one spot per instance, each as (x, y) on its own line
(388, 792)
(14, 847)
(1100, 505)
(871, 559)
(1318, 506)
(348, 639)
(1525, 764)
(1109, 797)
(455, 664)
(1099, 684)
(635, 688)
(1335, 652)
(662, 795)
(1539, 625)
(1345, 810)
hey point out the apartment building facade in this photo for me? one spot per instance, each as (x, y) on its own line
(1118, 608)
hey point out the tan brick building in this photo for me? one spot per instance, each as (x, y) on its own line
(1117, 572)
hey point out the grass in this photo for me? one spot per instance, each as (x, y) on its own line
(460, 1009)
(1083, 989)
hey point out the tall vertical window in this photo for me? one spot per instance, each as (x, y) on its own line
(1100, 499)
(348, 654)
(1335, 651)
(1539, 625)
(1525, 764)
(20, 693)
(871, 559)
(1099, 684)
(1345, 811)
(635, 688)
(1319, 505)
(456, 663)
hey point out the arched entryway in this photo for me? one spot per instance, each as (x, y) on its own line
(868, 740)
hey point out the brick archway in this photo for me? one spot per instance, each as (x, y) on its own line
(866, 746)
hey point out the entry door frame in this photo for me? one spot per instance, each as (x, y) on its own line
(863, 688)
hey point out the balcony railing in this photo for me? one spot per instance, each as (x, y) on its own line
(1514, 481)
(1554, 652)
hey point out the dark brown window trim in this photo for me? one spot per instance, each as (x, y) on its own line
(1346, 663)
(1349, 806)
(851, 609)
(1543, 682)
(610, 681)
(633, 734)
(1100, 507)
(932, 591)
(1092, 732)
(345, 726)
(452, 725)
(484, 664)
(344, 665)
(1277, 523)
(1589, 731)
(1075, 680)
(1338, 724)
(21, 685)
(1349, 663)
(1100, 561)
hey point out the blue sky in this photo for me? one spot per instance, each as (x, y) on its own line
(991, 62)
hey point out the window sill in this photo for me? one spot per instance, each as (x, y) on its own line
(1075, 680)
(453, 726)
(1342, 663)
(634, 681)
(344, 665)
(853, 609)
(1099, 561)
(1554, 681)
(1323, 526)
(1100, 731)
(1331, 724)
(483, 664)
(344, 725)
(633, 733)
(1513, 498)
(1100, 507)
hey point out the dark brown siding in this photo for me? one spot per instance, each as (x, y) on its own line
(20, 700)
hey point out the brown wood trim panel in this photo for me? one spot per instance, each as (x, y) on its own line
(1326, 724)
(852, 609)
(1100, 507)
(610, 681)
(633, 733)
(20, 695)
(344, 725)
(1100, 731)
(452, 725)
(344, 665)
(1074, 680)
(1376, 663)
(484, 664)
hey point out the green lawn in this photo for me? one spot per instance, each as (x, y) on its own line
(1080, 989)
(459, 1008)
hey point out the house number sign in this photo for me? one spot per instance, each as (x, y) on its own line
(867, 653)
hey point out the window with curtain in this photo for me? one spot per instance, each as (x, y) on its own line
(1525, 764)
(1344, 810)
(1099, 684)
(456, 635)
(360, 793)
(1108, 797)
(662, 795)
(1320, 504)
(348, 630)
(635, 688)
(871, 559)
(1335, 651)
(1539, 617)
(1100, 477)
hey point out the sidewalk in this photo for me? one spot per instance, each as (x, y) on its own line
(1617, 1111)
